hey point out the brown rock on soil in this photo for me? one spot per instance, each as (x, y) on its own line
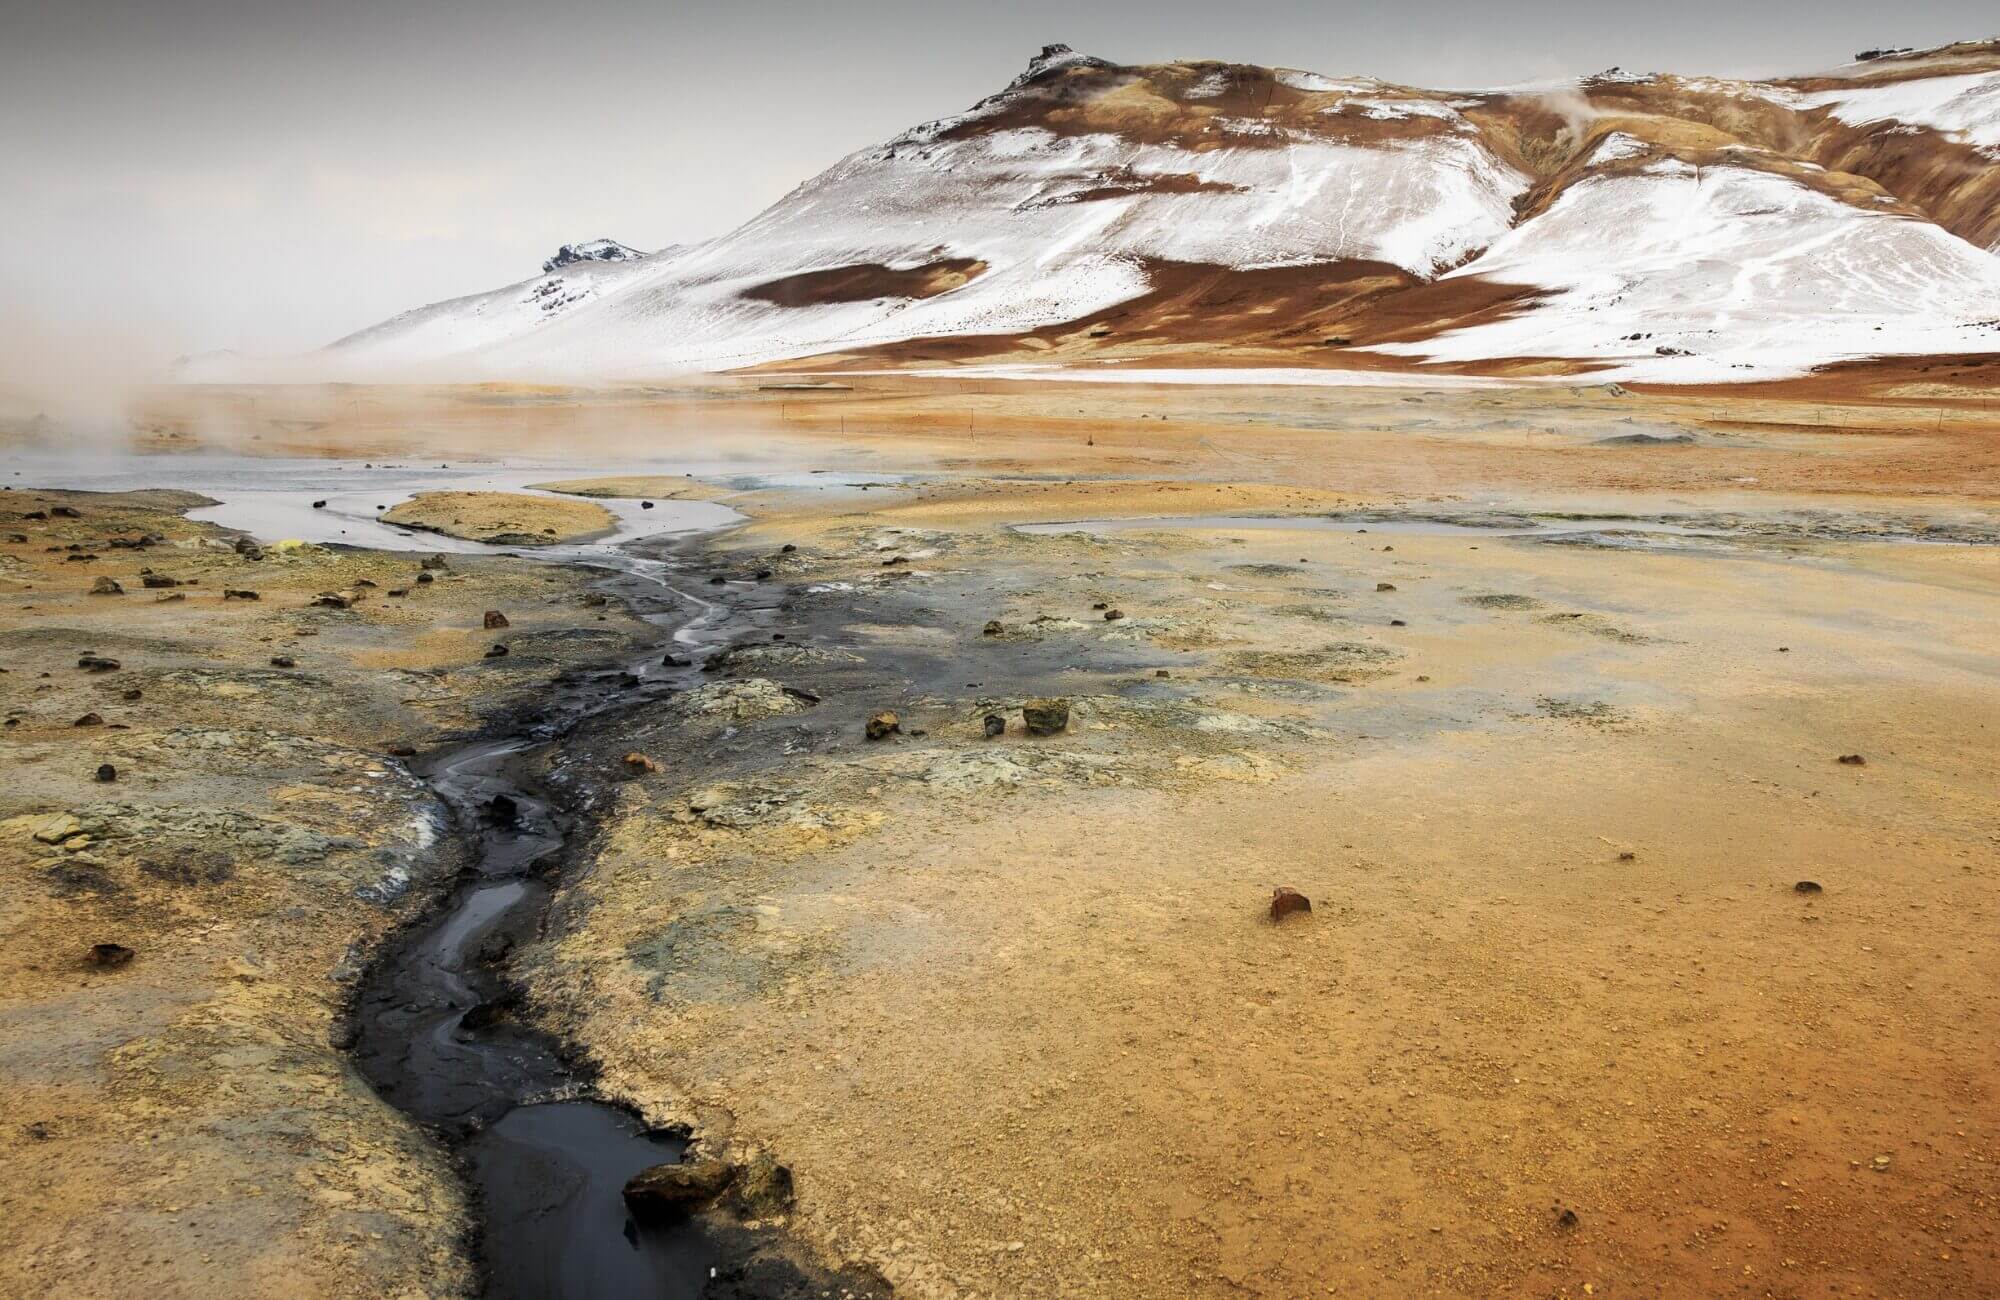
(1048, 717)
(883, 725)
(106, 587)
(495, 619)
(1286, 901)
(109, 955)
(671, 1190)
(763, 1190)
(640, 764)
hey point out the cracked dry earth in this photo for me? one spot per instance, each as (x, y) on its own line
(1559, 1021)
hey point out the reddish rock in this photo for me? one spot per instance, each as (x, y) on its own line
(495, 619)
(1286, 901)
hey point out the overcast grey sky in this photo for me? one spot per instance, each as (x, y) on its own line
(179, 175)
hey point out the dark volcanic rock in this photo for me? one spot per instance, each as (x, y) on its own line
(1046, 717)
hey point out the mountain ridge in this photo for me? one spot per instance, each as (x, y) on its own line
(1629, 226)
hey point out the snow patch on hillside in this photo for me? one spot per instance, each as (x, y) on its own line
(1966, 107)
(1032, 207)
(1687, 275)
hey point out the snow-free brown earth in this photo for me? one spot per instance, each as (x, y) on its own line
(1013, 1010)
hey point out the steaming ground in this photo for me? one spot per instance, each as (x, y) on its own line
(1539, 696)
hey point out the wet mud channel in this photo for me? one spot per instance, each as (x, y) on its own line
(431, 1027)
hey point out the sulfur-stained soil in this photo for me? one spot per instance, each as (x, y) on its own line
(502, 518)
(212, 782)
(1616, 980)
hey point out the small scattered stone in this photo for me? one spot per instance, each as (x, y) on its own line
(1628, 856)
(158, 580)
(434, 562)
(495, 619)
(717, 581)
(424, 579)
(645, 505)
(283, 661)
(402, 751)
(1286, 901)
(1853, 760)
(1565, 1217)
(1880, 1164)
(89, 720)
(1397, 622)
(1046, 717)
(894, 560)
(1808, 887)
(996, 726)
(238, 593)
(334, 599)
(788, 548)
(134, 694)
(319, 505)
(96, 664)
(1161, 672)
(1113, 615)
(168, 597)
(883, 725)
(106, 773)
(639, 764)
(66, 512)
(106, 587)
(992, 627)
(1385, 586)
(496, 652)
(109, 955)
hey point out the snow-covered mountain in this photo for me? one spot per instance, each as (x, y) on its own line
(1630, 226)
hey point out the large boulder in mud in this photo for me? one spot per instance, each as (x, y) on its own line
(673, 1190)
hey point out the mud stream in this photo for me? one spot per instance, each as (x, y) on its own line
(430, 1028)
